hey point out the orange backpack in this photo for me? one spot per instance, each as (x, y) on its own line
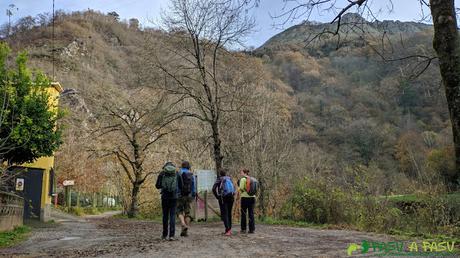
(248, 184)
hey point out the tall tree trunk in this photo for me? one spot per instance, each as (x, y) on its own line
(134, 207)
(218, 157)
(447, 46)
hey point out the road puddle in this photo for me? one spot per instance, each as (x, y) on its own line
(69, 238)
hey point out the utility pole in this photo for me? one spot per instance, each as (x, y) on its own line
(9, 13)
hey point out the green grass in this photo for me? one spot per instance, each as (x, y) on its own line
(402, 198)
(81, 211)
(413, 197)
(121, 216)
(10, 238)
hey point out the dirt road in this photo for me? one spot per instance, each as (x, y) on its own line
(110, 237)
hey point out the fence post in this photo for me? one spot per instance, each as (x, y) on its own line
(68, 194)
(94, 202)
(99, 199)
(78, 199)
(206, 205)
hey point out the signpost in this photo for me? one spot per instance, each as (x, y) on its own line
(20, 184)
(67, 185)
(68, 182)
(205, 181)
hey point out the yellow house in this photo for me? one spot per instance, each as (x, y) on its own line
(45, 165)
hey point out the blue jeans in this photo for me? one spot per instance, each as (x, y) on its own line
(169, 214)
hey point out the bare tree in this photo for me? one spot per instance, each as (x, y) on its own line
(267, 151)
(202, 30)
(446, 43)
(132, 132)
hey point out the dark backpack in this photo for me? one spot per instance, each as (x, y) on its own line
(226, 187)
(169, 180)
(252, 185)
(187, 179)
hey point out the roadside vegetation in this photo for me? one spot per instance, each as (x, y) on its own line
(415, 215)
(82, 211)
(11, 238)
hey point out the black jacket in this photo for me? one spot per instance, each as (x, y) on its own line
(215, 187)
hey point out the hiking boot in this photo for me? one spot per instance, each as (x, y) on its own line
(228, 233)
(251, 232)
(184, 232)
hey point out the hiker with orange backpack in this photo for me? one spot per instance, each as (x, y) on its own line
(224, 191)
(247, 187)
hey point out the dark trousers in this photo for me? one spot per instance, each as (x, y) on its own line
(169, 214)
(247, 209)
(226, 207)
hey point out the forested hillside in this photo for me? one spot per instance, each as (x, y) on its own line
(322, 124)
(363, 104)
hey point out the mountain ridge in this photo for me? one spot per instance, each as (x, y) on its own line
(352, 24)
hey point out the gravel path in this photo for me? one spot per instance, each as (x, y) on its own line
(110, 237)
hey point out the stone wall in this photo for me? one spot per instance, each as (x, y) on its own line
(11, 211)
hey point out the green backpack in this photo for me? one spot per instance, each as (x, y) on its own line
(169, 181)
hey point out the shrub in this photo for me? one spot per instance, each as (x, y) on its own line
(319, 202)
(442, 161)
(78, 211)
(316, 202)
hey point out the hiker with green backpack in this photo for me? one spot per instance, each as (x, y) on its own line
(170, 183)
(247, 187)
(224, 191)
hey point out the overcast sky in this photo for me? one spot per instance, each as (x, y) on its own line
(149, 10)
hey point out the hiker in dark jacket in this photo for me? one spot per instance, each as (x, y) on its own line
(187, 195)
(170, 183)
(215, 189)
(224, 190)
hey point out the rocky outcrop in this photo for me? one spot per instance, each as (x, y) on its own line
(353, 27)
(71, 98)
(74, 49)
